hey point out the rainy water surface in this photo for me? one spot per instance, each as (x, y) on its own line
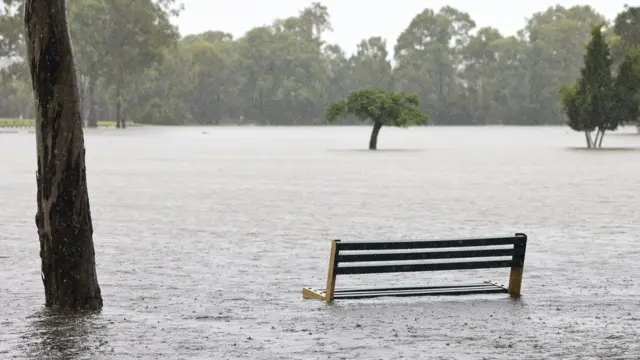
(205, 236)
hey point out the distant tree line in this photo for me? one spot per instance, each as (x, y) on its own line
(133, 64)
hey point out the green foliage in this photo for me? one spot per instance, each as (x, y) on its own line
(572, 97)
(15, 91)
(597, 83)
(379, 106)
(11, 37)
(597, 101)
(588, 103)
(627, 27)
(371, 65)
(626, 107)
(160, 99)
(117, 42)
(210, 36)
(336, 110)
(285, 73)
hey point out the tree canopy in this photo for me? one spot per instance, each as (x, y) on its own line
(381, 107)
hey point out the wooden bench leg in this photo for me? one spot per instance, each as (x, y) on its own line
(331, 276)
(515, 281)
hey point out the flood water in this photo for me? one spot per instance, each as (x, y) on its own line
(205, 236)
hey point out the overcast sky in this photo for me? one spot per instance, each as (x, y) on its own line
(354, 20)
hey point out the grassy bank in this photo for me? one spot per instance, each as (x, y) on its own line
(22, 123)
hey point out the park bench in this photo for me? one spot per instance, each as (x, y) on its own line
(366, 257)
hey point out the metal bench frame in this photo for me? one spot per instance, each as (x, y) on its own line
(378, 254)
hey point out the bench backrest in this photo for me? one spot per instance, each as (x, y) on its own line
(375, 257)
(349, 257)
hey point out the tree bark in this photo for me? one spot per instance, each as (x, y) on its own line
(63, 217)
(373, 141)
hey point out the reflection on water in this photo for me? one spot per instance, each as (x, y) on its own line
(62, 335)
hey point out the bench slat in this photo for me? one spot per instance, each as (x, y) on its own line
(422, 292)
(378, 269)
(424, 255)
(412, 288)
(405, 245)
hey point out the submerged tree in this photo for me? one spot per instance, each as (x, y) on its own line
(63, 217)
(588, 103)
(382, 107)
(572, 98)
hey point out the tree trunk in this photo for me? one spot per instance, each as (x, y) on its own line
(587, 136)
(93, 120)
(217, 111)
(63, 217)
(373, 142)
(601, 137)
(118, 108)
(597, 142)
(123, 122)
